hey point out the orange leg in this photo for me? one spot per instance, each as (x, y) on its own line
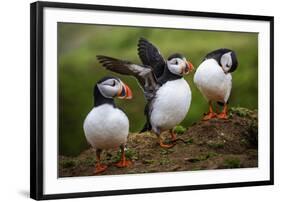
(223, 114)
(173, 135)
(123, 162)
(211, 114)
(163, 145)
(99, 167)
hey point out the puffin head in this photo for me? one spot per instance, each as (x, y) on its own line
(111, 87)
(229, 61)
(226, 58)
(178, 65)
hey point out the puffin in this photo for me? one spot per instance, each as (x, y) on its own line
(167, 93)
(106, 126)
(213, 79)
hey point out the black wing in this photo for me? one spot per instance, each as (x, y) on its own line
(151, 56)
(143, 74)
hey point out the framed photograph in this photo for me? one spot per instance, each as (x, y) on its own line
(196, 107)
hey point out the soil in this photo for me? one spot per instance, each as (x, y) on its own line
(213, 144)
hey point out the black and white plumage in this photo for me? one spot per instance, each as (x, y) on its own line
(213, 78)
(168, 95)
(106, 126)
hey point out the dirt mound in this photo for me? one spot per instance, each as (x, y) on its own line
(214, 144)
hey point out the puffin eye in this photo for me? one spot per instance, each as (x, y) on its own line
(176, 62)
(113, 84)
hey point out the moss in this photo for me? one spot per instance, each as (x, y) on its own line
(232, 163)
(166, 151)
(115, 158)
(216, 145)
(189, 141)
(179, 129)
(68, 163)
(240, 111)
(129, 153)
(148, 161)
(211, 154)
(164, 161)
(89, 161)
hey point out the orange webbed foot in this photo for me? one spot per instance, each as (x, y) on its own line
(173, 136)
(166, 146)
(222, 116)
(209, 116)
(100, 168)
(123, 163)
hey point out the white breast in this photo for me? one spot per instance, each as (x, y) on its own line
(106, 127)
(212, 82)
(171, 104)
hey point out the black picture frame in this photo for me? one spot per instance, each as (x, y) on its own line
(36, 99)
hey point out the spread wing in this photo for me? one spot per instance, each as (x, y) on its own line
(151, 56)
(143, 74)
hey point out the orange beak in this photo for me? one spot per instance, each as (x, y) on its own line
(189, 67)
(125, 92)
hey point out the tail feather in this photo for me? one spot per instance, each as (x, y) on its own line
(221, 103)
(146, 127)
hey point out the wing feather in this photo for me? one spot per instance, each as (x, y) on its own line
(151, 56)
(143, 74)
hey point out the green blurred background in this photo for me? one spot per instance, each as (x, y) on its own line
(78, 45)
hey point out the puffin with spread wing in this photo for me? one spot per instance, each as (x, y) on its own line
(167, 93)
